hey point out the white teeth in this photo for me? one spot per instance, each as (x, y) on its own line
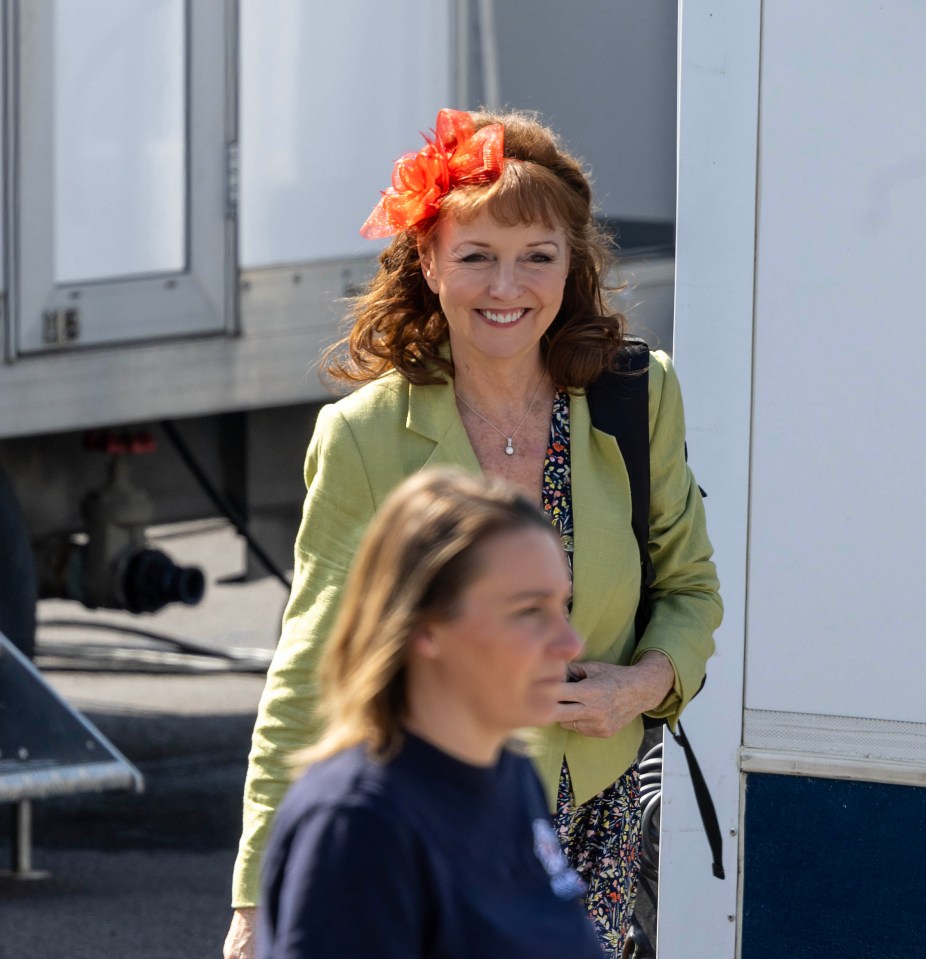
(503, 317)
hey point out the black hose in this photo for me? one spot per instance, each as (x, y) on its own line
(183, 645)
(221, 503)
(17, 573)
(255, 660)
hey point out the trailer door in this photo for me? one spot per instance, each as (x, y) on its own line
(120, 145)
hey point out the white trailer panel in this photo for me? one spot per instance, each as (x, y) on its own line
(798, 338)
(838, 521)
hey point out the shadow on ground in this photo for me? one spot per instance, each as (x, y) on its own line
(142, 875)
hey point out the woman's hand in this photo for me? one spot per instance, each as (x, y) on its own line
(603, 698)
(241, 939)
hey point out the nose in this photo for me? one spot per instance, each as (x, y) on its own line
(567, 644)
(505, 283)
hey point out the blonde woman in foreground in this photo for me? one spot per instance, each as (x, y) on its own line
(416, 831)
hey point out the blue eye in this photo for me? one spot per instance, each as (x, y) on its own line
(475, 258)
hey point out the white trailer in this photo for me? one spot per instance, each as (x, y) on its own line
(183, 186)
(183, 182)
(799, 339)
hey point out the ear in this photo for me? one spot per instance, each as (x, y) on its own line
(426, 258)
(422, 644)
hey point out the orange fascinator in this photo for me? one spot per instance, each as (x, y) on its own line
(457, 154)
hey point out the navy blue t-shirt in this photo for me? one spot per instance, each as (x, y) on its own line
(419, 857)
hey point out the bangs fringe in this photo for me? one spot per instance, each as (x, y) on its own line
(525, 193)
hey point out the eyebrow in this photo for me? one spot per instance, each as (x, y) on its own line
(535, 243)
(534, 594)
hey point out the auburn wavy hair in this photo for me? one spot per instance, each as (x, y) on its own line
(397, 322)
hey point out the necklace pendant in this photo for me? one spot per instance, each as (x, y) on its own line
(509, 449)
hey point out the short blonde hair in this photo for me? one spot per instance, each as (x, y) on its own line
(417, 557)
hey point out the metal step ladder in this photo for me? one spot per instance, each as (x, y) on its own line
(47, 748)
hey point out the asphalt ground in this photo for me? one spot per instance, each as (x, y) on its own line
(147, 875)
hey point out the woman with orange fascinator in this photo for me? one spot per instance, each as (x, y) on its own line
(473, 347)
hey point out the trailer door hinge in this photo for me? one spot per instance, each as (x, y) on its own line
(231, 180)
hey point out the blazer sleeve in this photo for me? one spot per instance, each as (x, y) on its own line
(686, 605)
(338, 506)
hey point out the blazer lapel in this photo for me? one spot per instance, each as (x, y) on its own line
(432, 413)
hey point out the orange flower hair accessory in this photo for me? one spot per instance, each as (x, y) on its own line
(457, 154)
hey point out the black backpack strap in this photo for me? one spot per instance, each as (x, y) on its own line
(618, 403)
(705, 803)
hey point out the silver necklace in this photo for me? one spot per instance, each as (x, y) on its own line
(509, 437)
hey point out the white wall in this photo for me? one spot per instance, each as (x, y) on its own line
(331, 95)
(799, 337)
(719, 70)
(839, 455)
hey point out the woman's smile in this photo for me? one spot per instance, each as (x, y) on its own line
(502, 317)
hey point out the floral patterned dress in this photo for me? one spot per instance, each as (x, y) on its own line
(601, 838)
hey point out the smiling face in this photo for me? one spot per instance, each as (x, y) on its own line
(500, 287)
(496, 665)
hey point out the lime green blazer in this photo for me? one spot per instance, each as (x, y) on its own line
(364, 445)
